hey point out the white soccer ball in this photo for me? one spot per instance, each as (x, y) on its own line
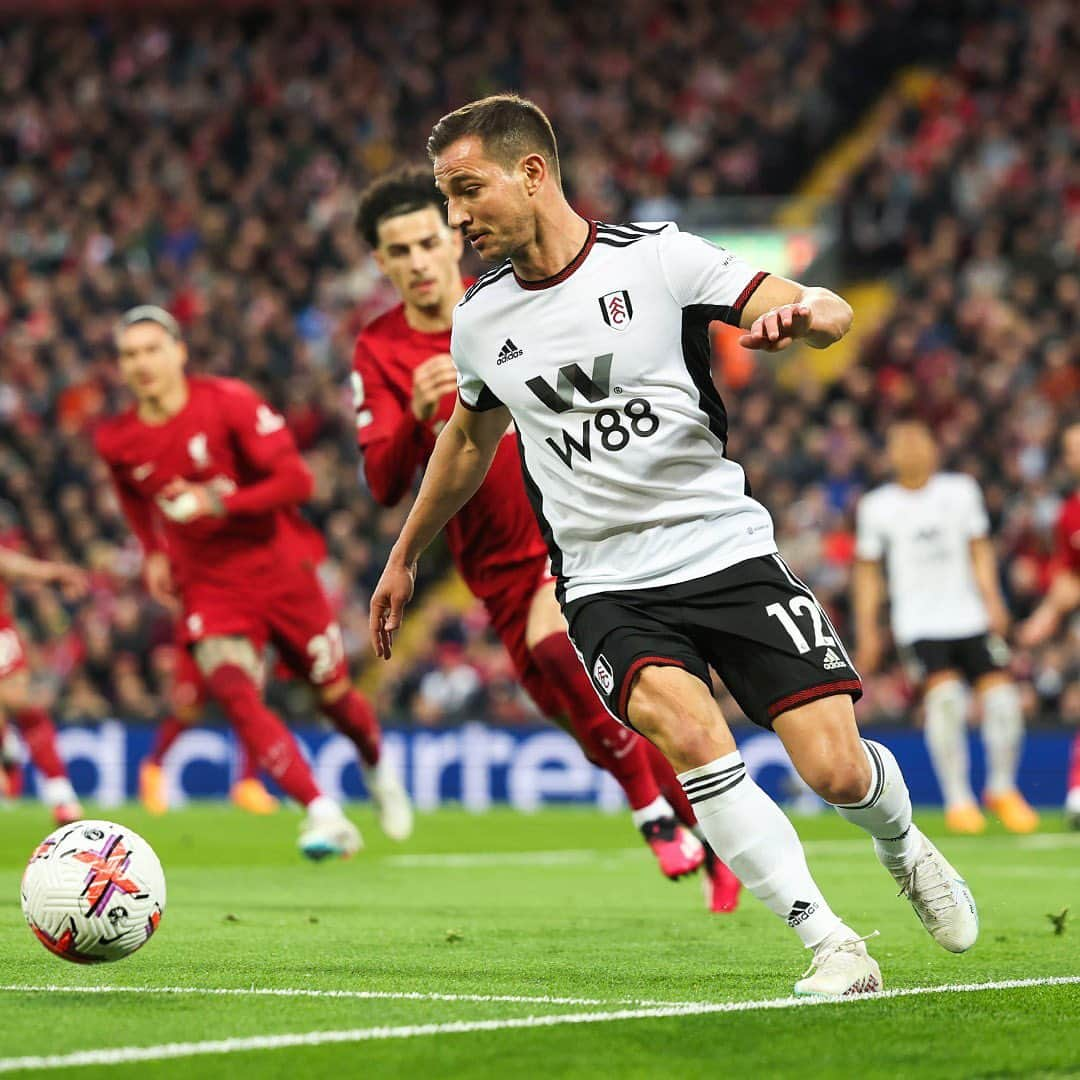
(93, 891)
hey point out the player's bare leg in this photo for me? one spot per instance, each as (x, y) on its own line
(39, 734)
(945, 700)
(862, 780)
(231, 668)
(607, 743)
(353, 716)
(745, 827)
(1003, 739)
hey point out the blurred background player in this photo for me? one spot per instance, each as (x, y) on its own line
(948, 621)
(1063, 596)
(209, 478)
(18, 703)
(405, 388)
(187, 694)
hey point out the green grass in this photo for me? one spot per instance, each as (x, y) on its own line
(244, 912)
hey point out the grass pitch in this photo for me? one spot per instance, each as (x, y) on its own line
(432, 942)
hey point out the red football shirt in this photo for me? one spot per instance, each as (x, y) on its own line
(226, 435)
(496, 531)
(1067, 551)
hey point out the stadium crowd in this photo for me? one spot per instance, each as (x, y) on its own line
(212, 166)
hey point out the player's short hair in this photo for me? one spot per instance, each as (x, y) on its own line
(400, 192)
(147, 313)
(509, 126)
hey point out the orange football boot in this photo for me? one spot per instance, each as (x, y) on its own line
(1012, 810)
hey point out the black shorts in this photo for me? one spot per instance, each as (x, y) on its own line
(973, 657)
(755, 623)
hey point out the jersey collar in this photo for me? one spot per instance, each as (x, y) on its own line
(567, 270)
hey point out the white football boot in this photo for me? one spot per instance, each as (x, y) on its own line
(841, 967)
(391, 800)
(327, 833)
(1072, 808)
(941, 898)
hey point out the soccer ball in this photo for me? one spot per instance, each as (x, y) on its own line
(93, 891)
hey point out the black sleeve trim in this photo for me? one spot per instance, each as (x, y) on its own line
(484, 403)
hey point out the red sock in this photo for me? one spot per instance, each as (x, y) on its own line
(605, 741)
(40, 737)
(245, 766)
(167, 733)
(354, 717)
(1074, 764)
(669, 784)
(263, 734)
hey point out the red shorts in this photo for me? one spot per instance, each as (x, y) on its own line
(12, 653)
(290, 612)
(508, 610)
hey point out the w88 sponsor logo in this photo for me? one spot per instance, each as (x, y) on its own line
(614, 426)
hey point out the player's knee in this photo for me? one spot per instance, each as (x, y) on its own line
(232, 686)
(666, 707)
(841, 780)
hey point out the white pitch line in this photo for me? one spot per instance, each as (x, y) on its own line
(580, 856)
(355, 995)
(125, 1054)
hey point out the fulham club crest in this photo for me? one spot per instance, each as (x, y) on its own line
(617, 309)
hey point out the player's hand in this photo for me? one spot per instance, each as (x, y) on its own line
(1040, 626)
(777, 329)
(74, 581)
(869, 652)
(183, 502)
(388, 602)
(159, 581)
(432, 381)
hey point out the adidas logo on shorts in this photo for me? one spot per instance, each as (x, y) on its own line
(832, 661)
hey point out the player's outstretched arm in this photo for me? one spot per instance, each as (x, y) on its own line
(781, 311)
(461, 459)
(1062, 598)
(14, 566)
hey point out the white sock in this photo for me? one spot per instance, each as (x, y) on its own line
(750, 833)
(946, 739)
(322, 806)
(57, 790)
(658, 808)
(1003, 736)
(885, 813)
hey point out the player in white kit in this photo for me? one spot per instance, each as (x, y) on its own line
(948, 621)
(593, 339)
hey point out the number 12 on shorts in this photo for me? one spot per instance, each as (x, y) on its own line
(799, 605)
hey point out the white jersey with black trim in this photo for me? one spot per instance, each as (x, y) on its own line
(605, 369)
(924, 536)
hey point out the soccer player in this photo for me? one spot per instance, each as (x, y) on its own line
(209, 479)
(404, 386)
(1063, 596)
(594, 340)
(948, 620)
(16, 699)
(187, 695)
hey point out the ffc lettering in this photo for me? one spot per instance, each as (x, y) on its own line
(614, 426)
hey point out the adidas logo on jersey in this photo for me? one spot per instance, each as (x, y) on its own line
(508, 352)
(832, 661)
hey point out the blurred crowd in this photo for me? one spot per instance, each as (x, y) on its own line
(211, 165)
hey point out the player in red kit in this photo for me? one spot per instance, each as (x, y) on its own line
(1063, 596)
(209, 478)
(16, 698)
(405, 388)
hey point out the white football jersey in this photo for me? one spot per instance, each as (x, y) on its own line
(606, 370)
(925, 536)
